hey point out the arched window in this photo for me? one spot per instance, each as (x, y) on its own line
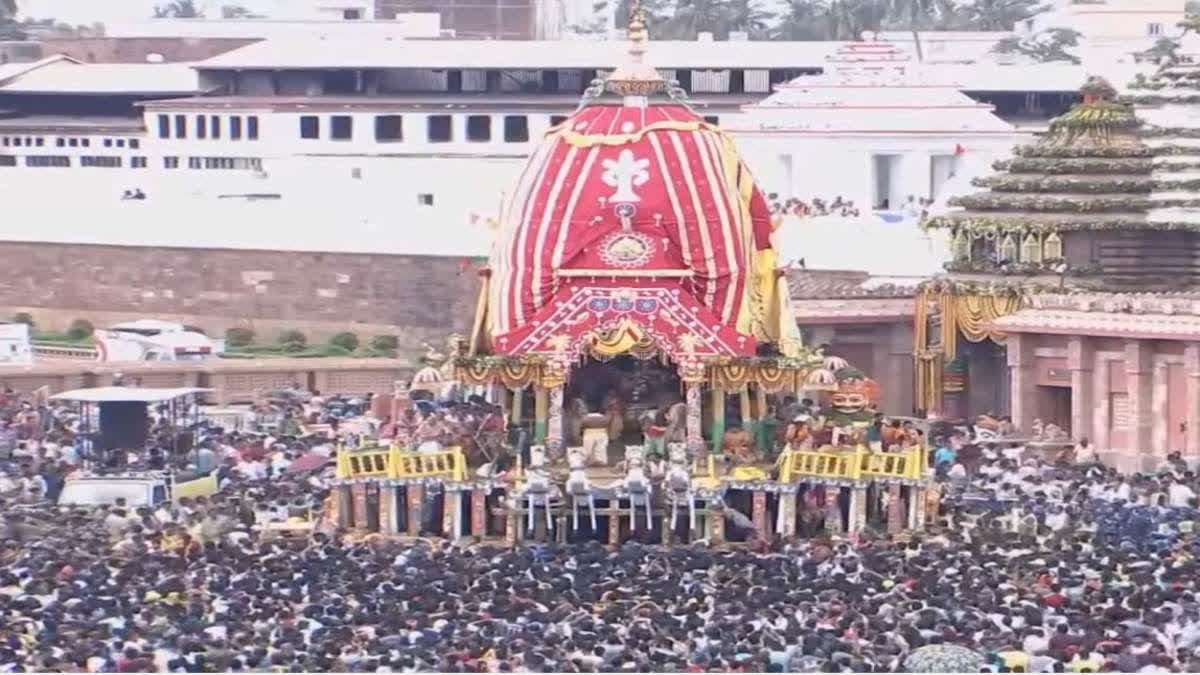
(1052, 247)
(1008, 249)
(1031, 249)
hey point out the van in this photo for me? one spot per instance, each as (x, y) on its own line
(137, 489)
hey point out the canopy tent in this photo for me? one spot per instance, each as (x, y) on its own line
(128, 394)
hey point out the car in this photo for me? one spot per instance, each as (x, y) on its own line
(137, 489)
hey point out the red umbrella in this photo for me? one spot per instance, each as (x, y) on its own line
(312, 461)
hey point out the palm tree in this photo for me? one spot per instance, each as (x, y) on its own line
(1045, 47)
(803, 20)
(913, 14)
(750, 17)
(997, 14)
(849, 19)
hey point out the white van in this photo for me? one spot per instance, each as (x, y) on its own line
(137, 489)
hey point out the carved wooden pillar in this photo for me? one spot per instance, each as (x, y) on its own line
(359, 495)
(478, 512)
(541, 410)
(858, 509)
(833, 510)
(716, 526)
(718, 420)
(387, 509)
(759, 511)
(786, 525)
(695, 434)
(416, 508)
(451, 509)
(895, 512)
(614, 529)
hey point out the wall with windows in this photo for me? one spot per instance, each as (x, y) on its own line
(55, 149)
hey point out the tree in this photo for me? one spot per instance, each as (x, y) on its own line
(995, 14)
(849, 19)
(803, 20)
(1047, 46)
(237, 12)
(914, 15)
(1165, 51)
(177, 9)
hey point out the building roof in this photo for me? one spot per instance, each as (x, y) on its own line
(8, 71)
(72, 77)
(848, 284)
(127, 394)
(859, 310)
(514, 54)
(869, 86)
(881, 245)
(70, 123)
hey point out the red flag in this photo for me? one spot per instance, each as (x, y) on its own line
(959, 149)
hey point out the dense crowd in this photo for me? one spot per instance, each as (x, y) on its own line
(1027, 567)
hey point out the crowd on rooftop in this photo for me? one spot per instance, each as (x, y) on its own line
(1026, 567)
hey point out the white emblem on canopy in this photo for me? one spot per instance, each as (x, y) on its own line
(624, 174)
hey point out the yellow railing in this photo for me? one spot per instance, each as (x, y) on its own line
(856, 464)
(396, 464)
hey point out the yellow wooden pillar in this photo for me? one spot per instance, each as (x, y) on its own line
(718, 419)
(541, 407)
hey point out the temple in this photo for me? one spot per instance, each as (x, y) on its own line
(635, 323)
(1072, 296)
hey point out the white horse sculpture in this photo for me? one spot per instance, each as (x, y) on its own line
(637, 484)
(579, 487)
(538, 490)
(678, 483)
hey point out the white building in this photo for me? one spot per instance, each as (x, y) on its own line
(15, 346)
(875, 129)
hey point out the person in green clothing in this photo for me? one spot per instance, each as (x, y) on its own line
(767, 430)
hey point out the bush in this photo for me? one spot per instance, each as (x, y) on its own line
(347, 341)
(81, 329)
(385, 343)
(239, 337)
(293, 347)
(24, 317)
(292, 336)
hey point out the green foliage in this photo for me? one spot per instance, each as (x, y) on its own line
(385, 343)
(239, 337)
(346, 340)
(81, 329)
(179, 9)
(25, 318)
(293, 347)
(293, 337)
(1047, 46)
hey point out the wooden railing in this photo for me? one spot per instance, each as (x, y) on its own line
(53, 350)
(395, 463)
(856, 464)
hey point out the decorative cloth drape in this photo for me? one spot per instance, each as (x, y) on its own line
(972, 315)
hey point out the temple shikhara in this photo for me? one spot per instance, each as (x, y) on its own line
(1071, 300)
(634, 322)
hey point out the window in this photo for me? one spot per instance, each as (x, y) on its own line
(252, 127)
(341, 127)
(389, 128)
(100, 162)
(73, 142)
(4, 141)
(137, 162)
(17, 141)
(45, 161)
(181, 126)
(516, 129)
(194, 163)
(39, 141)
(235, 128)
(352, 14)
(201, 126)
(441, 129)
(425, 199)
(556, 120)
(712, 119)
(479, 128)
(85, 142)
(310, 126)
(134, 144)
(214, 124)
(60, 142)
(108, 142)
(120, 142)
(8, 160)
(164, 126)
(1154, 29)
(170, 162)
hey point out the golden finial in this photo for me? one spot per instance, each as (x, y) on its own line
(635, 78)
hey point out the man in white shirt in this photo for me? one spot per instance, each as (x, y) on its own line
(1179, 494)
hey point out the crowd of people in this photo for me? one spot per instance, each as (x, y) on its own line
(1026, 567)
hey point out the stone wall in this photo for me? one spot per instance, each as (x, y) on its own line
(418, 298)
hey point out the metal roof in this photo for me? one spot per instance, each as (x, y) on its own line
(127, 394)
(323, 53)
(71, 77)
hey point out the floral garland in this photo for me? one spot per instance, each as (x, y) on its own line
(1011, 183)
(1082, 152)
(1021, 268)
(1100, 116)
(1044, 204)
(1084, 165)
(1160, 99)
(1008, 225)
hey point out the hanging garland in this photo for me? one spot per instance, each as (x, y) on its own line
(1021, 268)
(1052, 184)
(1087, 165)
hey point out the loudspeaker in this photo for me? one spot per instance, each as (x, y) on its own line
(123, 424)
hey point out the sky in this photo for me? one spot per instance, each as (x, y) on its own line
(109, 11)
